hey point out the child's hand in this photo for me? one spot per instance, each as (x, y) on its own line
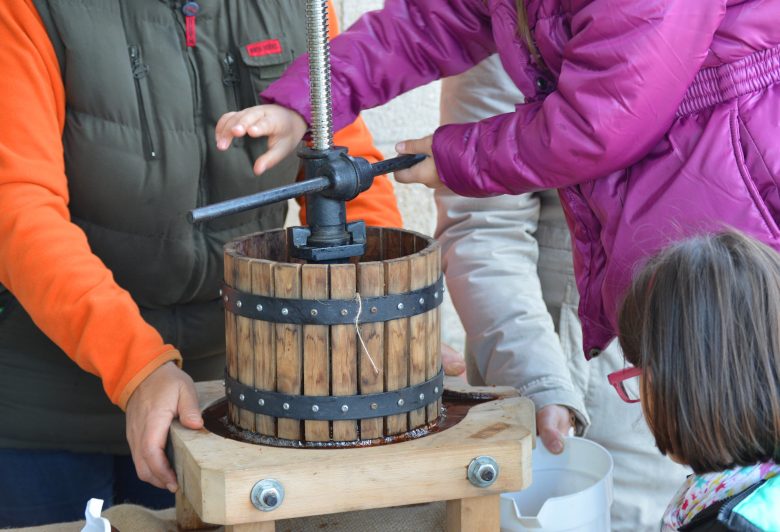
(283, 127)
(553, 422)
(423, 172)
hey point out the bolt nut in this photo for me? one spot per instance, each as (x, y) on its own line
(315, 408)
(267, 495)
(482, 471)
(241, 397)
(374, 310)
(259, 308)
(400, 306)
(314, 312)
(344, 408)
(286, 406)
(285, 312)
(238, 303)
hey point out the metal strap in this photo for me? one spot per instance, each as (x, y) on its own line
(333, 311)
(333, 407)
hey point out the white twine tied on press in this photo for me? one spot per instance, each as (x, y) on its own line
(360, 336)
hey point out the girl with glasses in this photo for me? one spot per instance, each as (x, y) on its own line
(701, 326)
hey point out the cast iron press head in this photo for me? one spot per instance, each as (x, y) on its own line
(332, 177)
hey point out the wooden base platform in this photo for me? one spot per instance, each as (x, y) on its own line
(216, 474)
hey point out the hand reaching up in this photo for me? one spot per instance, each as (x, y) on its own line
(283, 127)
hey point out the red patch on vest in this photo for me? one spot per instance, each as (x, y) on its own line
(262, 48)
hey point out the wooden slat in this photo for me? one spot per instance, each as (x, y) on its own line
(391, 244)
(242, 275)
(418, 332)
(316, 348)
(287, 284)
(397, 342)
(373, 244)
(432, 335)
(343, 349)
(265, 344)
(371, 283)
(231, 356)
(436, 318)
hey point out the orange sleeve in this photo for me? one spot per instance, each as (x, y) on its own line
(45, 260)
(377, 205)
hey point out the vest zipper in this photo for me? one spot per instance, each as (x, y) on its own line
(140, 71)
(230, 78)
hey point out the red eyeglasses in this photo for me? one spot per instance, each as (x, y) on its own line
(626, 382)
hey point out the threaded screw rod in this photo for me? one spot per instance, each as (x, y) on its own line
(319, 74)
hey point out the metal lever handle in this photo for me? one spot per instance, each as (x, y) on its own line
(316, 184)
(401, 162)
(253, 201)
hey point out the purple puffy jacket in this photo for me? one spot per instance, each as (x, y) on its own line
(657, 118)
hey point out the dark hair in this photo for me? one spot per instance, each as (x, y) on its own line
(702, 320)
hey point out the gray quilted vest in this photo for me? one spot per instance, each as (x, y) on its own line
(140, 153)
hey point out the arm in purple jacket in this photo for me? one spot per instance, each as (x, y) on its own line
(623, 74)
(388, 52)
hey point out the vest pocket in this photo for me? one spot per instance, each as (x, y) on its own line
(140, 72)
(265, 59)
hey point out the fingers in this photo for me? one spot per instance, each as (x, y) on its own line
(153, 455)
(252, 121)
(277, 150)
(188, 409)
(423, 172)
(452, 361)
(552, 423)
(423, 145)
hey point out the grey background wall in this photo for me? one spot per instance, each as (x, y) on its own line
(412, 115)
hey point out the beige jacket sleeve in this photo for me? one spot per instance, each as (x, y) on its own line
(490, 258)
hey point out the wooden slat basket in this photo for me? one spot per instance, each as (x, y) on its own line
(325, 352)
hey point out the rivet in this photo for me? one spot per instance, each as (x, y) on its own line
(286, 406)
(259, 308)
(314, 312)
(228, 391)
(422, 301)
(422, 397)
(436, 295)
(400, 306)
(374, 406)
(400, 402)
(315, 408)
(238, 303)
(241, 397)
(261, 402)
(344, 312)
(373, 310)
(225, 298)
(220, 292)
(344, 408)
(285, 312)
(436, 389)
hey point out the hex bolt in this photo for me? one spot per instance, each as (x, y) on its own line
(267, 495)
(482, 471)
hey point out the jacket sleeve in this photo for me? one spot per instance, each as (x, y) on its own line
(377, 205)
(385, 53)
(45, 260)
(623, 75)
(489, 255)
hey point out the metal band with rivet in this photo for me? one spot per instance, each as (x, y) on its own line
(333, 311)
(332, 408)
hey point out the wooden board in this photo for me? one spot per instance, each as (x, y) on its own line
(287, 284)
(217, 474)
(371, 283)
(343, 349)
(264, 333)
(231, 347)
(475, 514)
(316, 348)
(397, 343)
(418, 334)
(245, 355)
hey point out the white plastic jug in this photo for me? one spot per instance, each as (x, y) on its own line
(570, 492)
